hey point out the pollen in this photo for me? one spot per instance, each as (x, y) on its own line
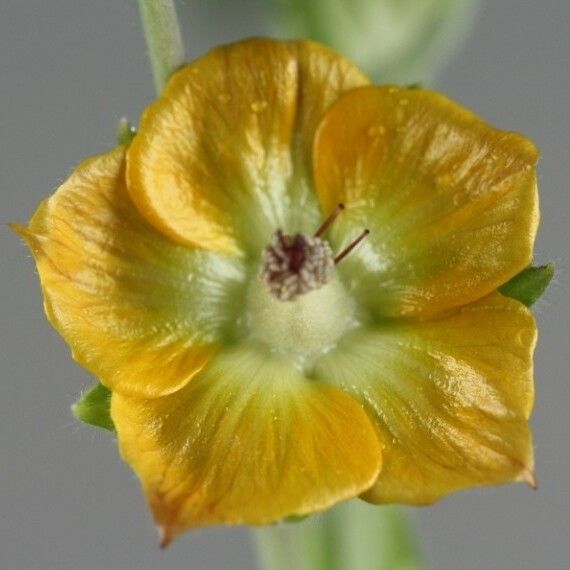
(294, 265)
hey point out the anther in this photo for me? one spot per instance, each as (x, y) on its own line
(281, 238)
(349, 248)
(327, 223)
(296, 264)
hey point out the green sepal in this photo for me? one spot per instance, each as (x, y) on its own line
(94, 408)
(529, 285)
(125, 132)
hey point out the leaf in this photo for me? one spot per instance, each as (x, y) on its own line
(529, 285)
(94, 406)
(393, 40)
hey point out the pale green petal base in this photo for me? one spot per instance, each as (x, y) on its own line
(527, 287)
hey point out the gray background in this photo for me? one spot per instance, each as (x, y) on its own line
(68, 70)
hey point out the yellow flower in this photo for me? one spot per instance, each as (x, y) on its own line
(399, 374)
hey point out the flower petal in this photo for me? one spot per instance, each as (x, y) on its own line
(140, 312)
(450, 397)
(223, 158)
(249, 440)
(451, 203)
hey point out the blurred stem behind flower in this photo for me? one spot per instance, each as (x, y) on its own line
(353, 535)
(394, 41)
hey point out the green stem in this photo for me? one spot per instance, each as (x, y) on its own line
(275, 549)
(163, 39)
(354, 536)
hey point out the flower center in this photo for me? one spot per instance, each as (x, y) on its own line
(297, 306)
(297, 264)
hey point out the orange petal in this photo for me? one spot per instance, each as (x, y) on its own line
(140, 312)
(223, 158)
(249, 440)
(451, 203)
(451, 398)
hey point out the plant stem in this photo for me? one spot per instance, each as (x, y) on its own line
(163, 39)
(353, 536)
(275, 550)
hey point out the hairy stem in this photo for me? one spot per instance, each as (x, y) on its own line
(163, 39)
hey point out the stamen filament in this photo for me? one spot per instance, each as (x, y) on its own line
(326, 224)
(349, 248)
